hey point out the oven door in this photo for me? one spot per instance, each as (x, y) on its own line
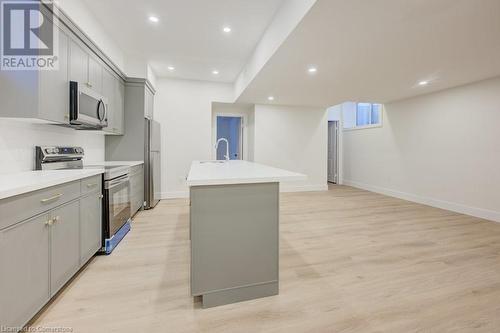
(119, 208)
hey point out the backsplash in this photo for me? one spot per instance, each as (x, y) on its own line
(19, 138)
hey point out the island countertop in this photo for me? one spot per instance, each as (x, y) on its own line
(237, 172)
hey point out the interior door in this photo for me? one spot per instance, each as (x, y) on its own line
(230, 128)
(332, 151)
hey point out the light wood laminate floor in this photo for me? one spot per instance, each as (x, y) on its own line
(351, 261)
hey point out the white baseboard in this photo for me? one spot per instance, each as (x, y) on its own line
(451, 206)
(299, 188)
(175, 195)
(303, 188)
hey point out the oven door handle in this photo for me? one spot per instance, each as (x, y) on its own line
(118, 181)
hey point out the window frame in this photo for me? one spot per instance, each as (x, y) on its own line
(380, 124)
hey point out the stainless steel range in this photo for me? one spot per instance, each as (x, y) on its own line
(116, 192)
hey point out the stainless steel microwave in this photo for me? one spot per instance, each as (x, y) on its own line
(87, 108)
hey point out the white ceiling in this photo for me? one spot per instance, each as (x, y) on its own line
(378, 50)
(189, 34)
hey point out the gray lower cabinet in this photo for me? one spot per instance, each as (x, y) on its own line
(64, 245)
(24, 261)
(234, 242)
(137, 188)
(46, 236)
(90, 226)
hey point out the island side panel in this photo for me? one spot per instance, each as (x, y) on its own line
(234, 242)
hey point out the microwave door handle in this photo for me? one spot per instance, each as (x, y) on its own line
(99, 109)
(105, 111)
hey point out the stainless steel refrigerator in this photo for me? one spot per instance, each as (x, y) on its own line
(152, 163)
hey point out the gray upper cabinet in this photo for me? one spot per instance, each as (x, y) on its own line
(85, 68)
(44, 94)
(24, 281)
(79, 63)
(65, 240)
(95, 75)
(149, 107)
(108, 91)
(113, 90)
(54, 87)
(90, 226)
(119, 118)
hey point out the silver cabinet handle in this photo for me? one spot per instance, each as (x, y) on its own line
(91, 185)
(55, 197)
(101, 196)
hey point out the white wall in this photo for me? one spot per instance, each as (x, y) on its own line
(18, 140)
(184, 110)
(441, 149)
(295, 139)
(335, 113)
(349, 114)
(249, 132)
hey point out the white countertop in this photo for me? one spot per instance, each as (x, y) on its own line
(112, 163)
(237, 172)
(16, 183)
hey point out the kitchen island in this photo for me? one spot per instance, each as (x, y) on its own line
(234, 230)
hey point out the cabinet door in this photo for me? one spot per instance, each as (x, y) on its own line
(78, 63)
(137, 191)
(149, 107)
(24, 262)
(90, 226)
(108, 91)
(54, 87)
(95, 74)
(65, 240)
(119, 107)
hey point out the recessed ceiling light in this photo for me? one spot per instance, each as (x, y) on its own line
(270, 98)
(227, 30)
(215, 72)
(171, 68)
(312, 70)
(154, 19)
(423, 83)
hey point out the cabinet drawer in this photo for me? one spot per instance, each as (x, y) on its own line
(92, 184)
(24, 206)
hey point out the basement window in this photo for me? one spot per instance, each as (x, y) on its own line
(362, 115)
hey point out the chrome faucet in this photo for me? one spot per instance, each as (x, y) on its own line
(227, 147)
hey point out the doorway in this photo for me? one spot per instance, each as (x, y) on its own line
(229, 127)
(333, 148)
